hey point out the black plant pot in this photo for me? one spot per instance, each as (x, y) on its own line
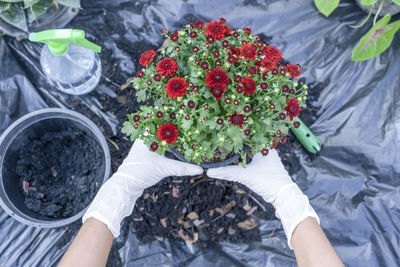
(226, 162)
(33, 125)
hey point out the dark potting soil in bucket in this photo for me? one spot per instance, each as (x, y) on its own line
(60, 172)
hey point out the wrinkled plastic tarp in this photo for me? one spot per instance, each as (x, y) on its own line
(353, 184)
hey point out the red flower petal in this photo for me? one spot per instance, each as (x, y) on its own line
(217, 91)
(147, 57)
(237, 119)
(167, 67)
(249, 85)
(249, 51)
(247, 30)
(272, 53)
(292, 108)
(167, 132)
(215, 29)
(176, 87)
(217, 76)
(294, 70)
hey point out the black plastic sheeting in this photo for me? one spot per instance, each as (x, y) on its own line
(353, 184)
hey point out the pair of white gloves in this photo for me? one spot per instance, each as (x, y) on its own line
(142, 168)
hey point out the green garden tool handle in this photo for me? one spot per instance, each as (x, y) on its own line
(58, 40)
(310, 142)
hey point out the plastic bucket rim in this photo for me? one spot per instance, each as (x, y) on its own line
(77, 117)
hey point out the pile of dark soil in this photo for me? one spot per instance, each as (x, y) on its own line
(199, 209)
(60, 172)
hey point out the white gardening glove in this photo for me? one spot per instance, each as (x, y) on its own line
(141, 169)
(266, 176)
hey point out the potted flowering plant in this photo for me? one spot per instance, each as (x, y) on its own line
(215, 91)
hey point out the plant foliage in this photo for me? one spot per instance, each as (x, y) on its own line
(20, 13)
(227, 90)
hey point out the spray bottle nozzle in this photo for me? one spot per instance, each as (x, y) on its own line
(58, 40)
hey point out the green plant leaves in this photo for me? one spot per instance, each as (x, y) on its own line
(70, 3)
(368, 2)
(13, 11)
(128, 129)
(141, 95)
(4, 6)
(15, 15)
(377, 40)
(29, 3)
(326, 7)
(37, 9)
(396, 2)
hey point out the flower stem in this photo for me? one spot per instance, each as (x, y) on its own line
(379, 11)
(362, 23)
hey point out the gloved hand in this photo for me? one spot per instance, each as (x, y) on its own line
(141, 169)
(266, 176)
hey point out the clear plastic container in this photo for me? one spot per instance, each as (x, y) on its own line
(77, 72)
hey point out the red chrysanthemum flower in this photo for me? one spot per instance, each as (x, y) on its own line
(235, 50)
(176, 87)
(222, 21)
(167, 67)
(247, 30)
(272, 53)
(237, 119)
(249, 85)
(217, 76)
(249, 51)
(294, 70)
(228, 31)
(147, 57)
(215, 29)
(292, 108)
(199, 24)
(217, 91)
(167, 132)
(252, 70)
(267, 64)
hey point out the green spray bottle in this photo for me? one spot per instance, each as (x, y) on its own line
(69, 60)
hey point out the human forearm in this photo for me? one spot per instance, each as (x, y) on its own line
(90, 247)
(312, 247)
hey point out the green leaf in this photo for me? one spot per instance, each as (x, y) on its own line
(29, 3)
(186, 124)
(368, 2)
(70, 3)
(15, 15)
(227, 145)
(188, 153)
(38, 9)
(377, 40)
(4, 6)
(129, 130)
(141, 96)
(234, 132)
(396, 2)
(326, 7)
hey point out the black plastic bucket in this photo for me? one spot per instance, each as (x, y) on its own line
(33, 125)
(226, 162)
